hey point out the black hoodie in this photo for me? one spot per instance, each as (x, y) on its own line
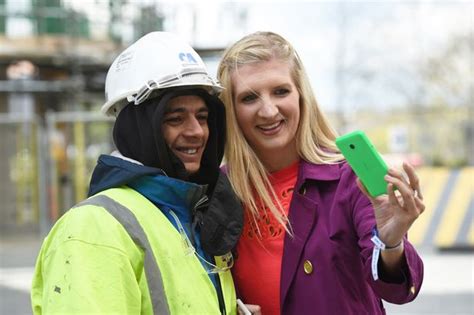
(137, 135)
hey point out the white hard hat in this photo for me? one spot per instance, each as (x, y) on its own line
(156, 61)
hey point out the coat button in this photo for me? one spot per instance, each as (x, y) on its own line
(308, 267)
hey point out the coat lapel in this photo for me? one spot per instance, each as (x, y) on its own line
(302, 217)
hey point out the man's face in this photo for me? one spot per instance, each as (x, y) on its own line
(185, 129)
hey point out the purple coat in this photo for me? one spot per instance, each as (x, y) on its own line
(326, 264)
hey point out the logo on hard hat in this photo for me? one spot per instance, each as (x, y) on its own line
(187, 59)
(124, 61)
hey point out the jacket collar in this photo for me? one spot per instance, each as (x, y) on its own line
(170, 192)
(319, 172)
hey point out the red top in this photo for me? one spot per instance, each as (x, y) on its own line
(258, 264)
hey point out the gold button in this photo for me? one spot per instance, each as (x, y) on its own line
(308, 267)
(412, 289)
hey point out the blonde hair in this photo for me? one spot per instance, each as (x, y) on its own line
(314, 137)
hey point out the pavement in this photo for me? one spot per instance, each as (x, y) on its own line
(17, 260)
(448, 287)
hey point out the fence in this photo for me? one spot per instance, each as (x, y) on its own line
(46, 166)
(19, 190)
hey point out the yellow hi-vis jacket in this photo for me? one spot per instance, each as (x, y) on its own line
(116, 253)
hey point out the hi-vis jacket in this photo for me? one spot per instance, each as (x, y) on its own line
(117, 253)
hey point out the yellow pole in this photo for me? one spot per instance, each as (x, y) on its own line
(20, 175)
(35, 180)
(80, 161)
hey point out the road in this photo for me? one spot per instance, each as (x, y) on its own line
(448, 287)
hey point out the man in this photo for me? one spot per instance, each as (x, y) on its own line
(155, 236)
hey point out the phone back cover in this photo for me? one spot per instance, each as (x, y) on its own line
(364, 159)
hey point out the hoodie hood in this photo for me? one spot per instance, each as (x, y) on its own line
(137, 135)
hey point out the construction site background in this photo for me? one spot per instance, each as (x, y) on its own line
(53, 62)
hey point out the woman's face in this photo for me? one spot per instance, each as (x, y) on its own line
(267, 110)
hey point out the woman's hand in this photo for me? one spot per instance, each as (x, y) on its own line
(396, 211)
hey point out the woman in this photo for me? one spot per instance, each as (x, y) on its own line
(308, 220)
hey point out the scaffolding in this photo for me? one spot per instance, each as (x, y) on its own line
(54, 56)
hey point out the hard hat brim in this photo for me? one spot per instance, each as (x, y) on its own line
(114, 106)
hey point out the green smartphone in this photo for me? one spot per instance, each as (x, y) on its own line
(365, 161)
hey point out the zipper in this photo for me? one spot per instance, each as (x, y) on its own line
(203, 202)
(200, 203)
(189, 249)
(197, 216)
(220, 295)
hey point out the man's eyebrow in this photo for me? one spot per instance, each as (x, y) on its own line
(175, 109)
(182, 109)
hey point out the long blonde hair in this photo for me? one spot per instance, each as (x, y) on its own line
(314, 137)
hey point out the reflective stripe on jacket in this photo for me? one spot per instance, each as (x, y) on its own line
(117, 253)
